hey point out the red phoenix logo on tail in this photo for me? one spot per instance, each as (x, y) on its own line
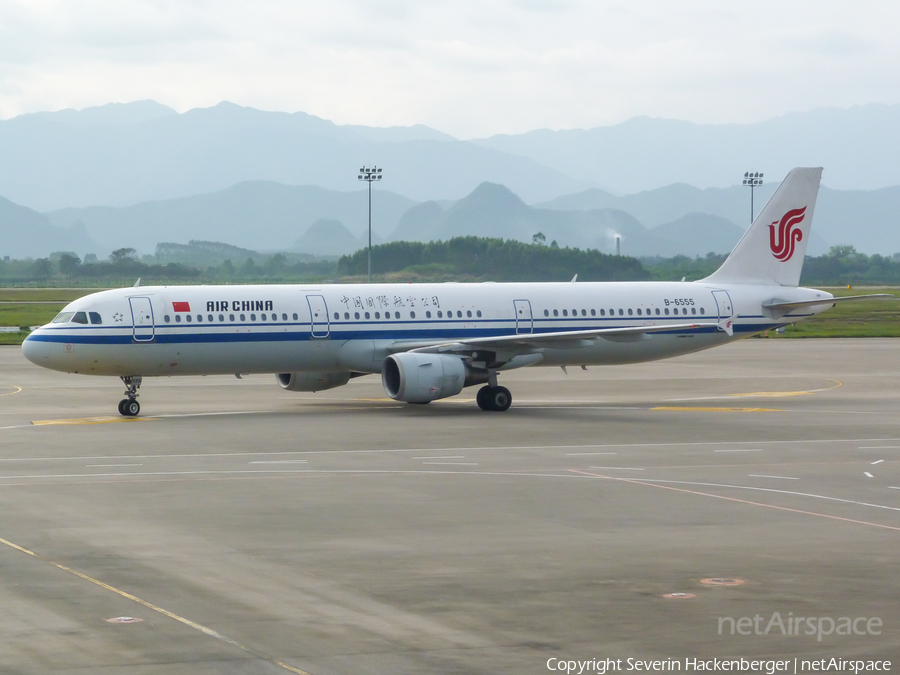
(784, 235)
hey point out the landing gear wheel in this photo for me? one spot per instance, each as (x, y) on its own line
(500, 399)
(497, 399)
(482, 398)
(129, 407)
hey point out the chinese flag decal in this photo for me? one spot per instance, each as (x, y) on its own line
(181, 306)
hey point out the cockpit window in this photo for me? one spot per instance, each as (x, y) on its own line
(95, 318)
(63, 317)
(80, 317)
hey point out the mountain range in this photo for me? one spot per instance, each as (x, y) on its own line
(133, 175)
(267, 216)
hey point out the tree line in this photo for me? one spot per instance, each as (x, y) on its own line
(462, 258)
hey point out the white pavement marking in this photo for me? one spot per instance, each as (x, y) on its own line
(281, 461)
(454, 463)
(617, 468)
(585, 454)
(762, 489)
(757, 475)
(868, 474)
(877, 461)
(741, 450)
(100, 466)
(442, 457)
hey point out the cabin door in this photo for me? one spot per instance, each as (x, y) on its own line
(318, 316)
(524, 320)
(142, 319)
(723, 305)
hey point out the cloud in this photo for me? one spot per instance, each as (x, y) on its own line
(470, 68)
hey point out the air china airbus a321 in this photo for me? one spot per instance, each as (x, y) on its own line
(429, 341)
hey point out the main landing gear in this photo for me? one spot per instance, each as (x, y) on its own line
(129, 407)
(492, 396)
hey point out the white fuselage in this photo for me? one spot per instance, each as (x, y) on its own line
(205, 330)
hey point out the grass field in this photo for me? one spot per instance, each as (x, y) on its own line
(863, 318)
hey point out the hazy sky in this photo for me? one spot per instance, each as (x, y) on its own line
(469, 68)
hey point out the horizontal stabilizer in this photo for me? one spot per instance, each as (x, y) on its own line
(789, 305)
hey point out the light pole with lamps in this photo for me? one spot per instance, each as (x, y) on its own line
(752, 178)
(370, 175)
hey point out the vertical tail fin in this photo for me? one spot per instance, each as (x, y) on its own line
(772, 250)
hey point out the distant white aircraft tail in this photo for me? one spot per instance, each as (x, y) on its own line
(772, 250)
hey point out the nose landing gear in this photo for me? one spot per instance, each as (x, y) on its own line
(129, 407)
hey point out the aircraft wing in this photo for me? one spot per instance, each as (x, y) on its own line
(524, 342)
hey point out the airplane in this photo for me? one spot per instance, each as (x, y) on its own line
(429, 341)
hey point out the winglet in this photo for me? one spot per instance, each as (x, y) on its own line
(727, 326)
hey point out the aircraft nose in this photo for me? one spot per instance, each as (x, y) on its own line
(36, 351)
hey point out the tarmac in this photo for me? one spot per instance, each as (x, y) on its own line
(740, 503)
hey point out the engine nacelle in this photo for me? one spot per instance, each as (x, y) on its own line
(312, 381)
(419, 378)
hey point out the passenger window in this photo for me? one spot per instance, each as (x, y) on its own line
(80, 317)
(355, 315)
(555, 312)
(565, 312)
(440, 314)
(231, 317)
(221, 317)
(478, 313)
(346, 316)
(284, 317)
(702, 310)
(167, 319)
(377, 315)
(621, 312)
(602, 312)
(211, 318)
(593, 312)
(178, 318)
(546, 312)
(428, 314)
(253, 317)
(199, 318)
(396, 315)
(243, 317)
(639, 311)
(188, 318)
(295, 316)
(459, 314)
(469, 313)
(336, 316)
(95, 318)
(574, 312)
(657, 311)
(367, 315)
(630, 312)
(584, 312)
(693, 310)
(412, 315)
(667, 311)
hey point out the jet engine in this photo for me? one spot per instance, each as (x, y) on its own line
(420, 378)
(312, 381)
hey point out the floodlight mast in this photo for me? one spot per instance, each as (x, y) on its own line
(369, 175)
(752, 178)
